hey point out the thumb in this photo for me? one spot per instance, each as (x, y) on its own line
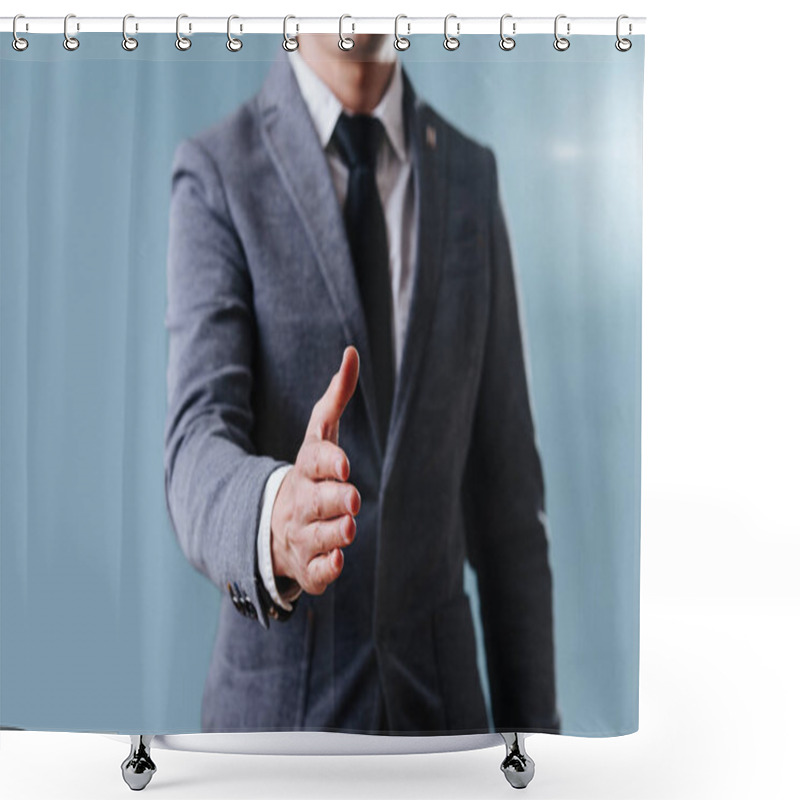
(324, 420)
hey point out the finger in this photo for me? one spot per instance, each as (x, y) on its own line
(323, 460)
(323, 536)
(329, 499)
(324, 570)
(324, 420)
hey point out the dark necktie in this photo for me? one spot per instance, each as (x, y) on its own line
(358, 138)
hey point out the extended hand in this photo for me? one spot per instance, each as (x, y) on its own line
(313, 515)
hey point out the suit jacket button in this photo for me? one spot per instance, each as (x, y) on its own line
(247, 605)
(234, 596)
(235, 599)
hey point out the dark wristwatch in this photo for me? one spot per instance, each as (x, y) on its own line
(273, 609)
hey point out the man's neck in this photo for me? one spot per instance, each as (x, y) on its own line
(358, 85)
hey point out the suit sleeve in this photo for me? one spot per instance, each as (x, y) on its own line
(507, 539)
(214, 480)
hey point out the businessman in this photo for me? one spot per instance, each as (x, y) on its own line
(348, 418)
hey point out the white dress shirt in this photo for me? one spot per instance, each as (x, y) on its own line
(393, 174)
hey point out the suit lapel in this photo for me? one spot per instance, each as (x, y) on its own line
(293, 143)
(430, 188)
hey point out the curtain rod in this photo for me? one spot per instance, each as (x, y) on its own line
(407, 26)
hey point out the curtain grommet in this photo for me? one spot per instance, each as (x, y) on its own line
(129, 43)
(290, 43)
(562, 42)
(507, 42)
(623, 45)
(451, 43)
(70, 43)
(181, 42)
(18, 43)
(233, 44)
(401, 43)
(345, 42)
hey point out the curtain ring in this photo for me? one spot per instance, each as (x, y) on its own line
(233, 44)
(70, 42)
(128, 42)
(181, 42)
(623, 45)
(290, 43)
(451, 42)
(561, 43)
(506, 42)
(19, 44)
(345, 42)
(400, 42)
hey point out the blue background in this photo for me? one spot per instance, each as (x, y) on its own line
(104, 626)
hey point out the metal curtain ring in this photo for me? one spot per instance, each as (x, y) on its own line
(233, 44)
(400, 42)
(561, 43)
(70, 42)
(128, 42)
(506, 42)
(181, 42)
(451, 42)
(623, 45)
(18, 43)
(290, 43)
(345, 42)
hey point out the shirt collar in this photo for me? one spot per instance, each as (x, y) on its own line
(324, 107)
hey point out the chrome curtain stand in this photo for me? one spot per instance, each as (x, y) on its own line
(138, 768)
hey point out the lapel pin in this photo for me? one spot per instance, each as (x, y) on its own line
(430, 136)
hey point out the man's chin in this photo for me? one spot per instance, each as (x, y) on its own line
(368, 46)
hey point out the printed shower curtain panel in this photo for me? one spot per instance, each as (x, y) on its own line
(317, 416)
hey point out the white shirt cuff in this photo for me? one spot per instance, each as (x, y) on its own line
(264, 543)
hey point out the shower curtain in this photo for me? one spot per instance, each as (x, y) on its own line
(310, 423)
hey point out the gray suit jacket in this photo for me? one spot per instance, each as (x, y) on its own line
(262, 300)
